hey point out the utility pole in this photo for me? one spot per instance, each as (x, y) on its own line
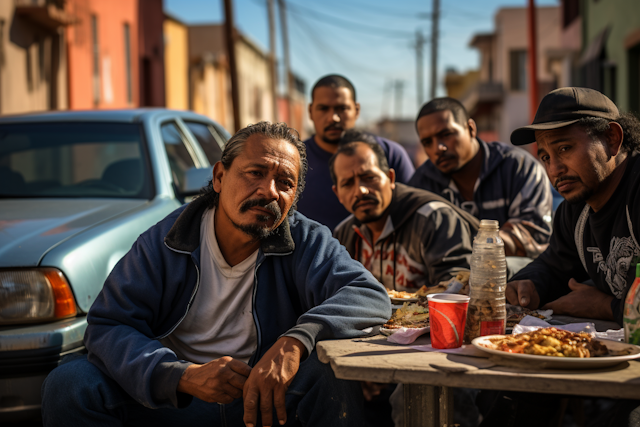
(435, 16)
(399, 86)
(287, 60)
(533, 66)
(419, 71)
(230, 35)
(272, 58)
(533, 59)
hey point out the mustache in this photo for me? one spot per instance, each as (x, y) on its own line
(364, 198)
(565, 178)
(444, 157)
(263, 203)
(334, 127)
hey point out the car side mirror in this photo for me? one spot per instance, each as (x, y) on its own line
(194, 180)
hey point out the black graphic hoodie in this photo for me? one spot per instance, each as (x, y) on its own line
(593, 245)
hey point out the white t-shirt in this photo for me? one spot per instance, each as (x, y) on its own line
(220, 321)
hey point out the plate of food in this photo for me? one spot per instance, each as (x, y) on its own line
(400, 297)
(410, 315)
(559, 349)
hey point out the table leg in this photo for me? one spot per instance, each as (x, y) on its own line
(427, 406)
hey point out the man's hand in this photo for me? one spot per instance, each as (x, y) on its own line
(523, 293)
(269, 381)
(583, 301)
(370, 390)
(518, 240)
(221, 380)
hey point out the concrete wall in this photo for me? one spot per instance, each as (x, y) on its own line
(176, 64)
(110, 90)
(33, 75)
(511, 34)
(623, 18)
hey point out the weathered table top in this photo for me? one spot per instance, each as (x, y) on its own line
(375, 359)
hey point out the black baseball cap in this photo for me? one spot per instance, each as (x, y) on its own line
(564, 107)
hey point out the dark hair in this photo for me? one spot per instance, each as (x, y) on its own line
(335, 81)
(596, 127)
(348, 145)
(234, 147)
(460, 114)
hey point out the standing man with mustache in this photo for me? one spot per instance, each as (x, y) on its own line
(489, 180)
(212, 317)
(334, 110)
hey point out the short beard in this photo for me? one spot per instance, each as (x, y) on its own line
(259, 231)
(371, 218)
(581, 197)
(332, 141)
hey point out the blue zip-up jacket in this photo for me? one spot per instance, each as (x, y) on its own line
(512, 186)
(306, 286)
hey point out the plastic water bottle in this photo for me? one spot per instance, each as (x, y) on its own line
(631, 318)
(487, 312)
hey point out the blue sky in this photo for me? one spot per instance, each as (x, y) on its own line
(368, 41)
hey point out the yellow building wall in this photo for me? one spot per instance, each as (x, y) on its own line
(176, 65)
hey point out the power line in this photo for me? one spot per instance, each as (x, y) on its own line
(346, 24)
(386, 12)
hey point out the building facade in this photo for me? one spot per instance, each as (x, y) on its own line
(33, 55)
(499, 101)
(176, 63)
(610, 60)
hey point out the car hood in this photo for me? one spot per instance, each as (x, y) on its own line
(29, 228)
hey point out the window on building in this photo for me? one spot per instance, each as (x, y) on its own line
(127, 61)
(518, 66)
(96, 59)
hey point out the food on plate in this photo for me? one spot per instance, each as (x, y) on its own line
(515, 314)
(410, 315)
(400, 294)
(424, 291)
(550, 342)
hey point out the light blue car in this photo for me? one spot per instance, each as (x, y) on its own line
(76, 190)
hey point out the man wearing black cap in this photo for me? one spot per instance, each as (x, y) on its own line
(590, 152)
(488, 180)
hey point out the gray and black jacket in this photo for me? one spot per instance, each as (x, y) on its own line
(426, 240)
(512, 186)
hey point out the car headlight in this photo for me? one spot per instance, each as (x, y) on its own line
(34, 295)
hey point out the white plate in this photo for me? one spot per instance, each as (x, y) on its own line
(564, 362)
(403, 300)
(387, 332)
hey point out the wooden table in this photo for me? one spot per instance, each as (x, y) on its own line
(429, 376)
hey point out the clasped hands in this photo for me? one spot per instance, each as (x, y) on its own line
(583, 300)
(261, 387)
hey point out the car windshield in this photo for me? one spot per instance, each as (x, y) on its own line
(73, 160)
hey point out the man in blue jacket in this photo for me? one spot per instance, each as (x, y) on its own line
(213, 315)
(334, 110)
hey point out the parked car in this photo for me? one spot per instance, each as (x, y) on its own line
(76, 190)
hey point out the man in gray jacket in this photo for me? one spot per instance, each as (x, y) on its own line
(405, 236)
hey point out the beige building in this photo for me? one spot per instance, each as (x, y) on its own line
(33, 57)
(499, 101)
(210, 86)
(176, 63)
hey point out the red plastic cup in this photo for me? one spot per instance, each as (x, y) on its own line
(447, 317)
